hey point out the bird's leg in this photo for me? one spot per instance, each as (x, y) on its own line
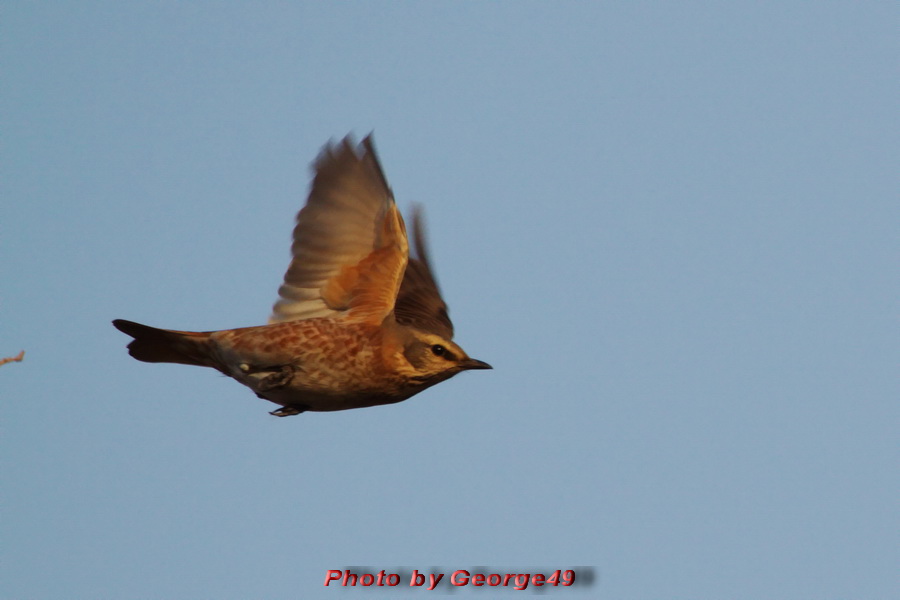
(268, 377)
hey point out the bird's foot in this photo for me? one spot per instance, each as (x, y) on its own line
(287, 411)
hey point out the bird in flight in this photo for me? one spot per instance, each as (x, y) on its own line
(359, 320)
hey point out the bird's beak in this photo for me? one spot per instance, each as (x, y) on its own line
(472, 363)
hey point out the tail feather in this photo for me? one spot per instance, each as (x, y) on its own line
(163, 345)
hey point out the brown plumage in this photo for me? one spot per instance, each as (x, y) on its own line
(359, 321)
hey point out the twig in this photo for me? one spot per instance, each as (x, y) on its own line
(17, 358)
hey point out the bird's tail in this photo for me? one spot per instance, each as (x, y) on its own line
(163, 345)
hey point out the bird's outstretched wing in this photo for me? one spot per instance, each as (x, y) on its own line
(350, 249)
(419, 302)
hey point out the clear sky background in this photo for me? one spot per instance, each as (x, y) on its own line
(670, 226)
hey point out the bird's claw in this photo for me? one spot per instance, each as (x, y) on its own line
(287, 411)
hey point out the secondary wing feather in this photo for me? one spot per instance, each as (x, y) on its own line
(350, 248)
(342, 224)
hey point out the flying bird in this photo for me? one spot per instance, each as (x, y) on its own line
(359, 320)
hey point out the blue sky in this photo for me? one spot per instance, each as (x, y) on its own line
(671, 228)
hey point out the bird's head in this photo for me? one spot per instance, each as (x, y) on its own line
(435, 359)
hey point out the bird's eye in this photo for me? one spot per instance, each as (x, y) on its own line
(438, 350)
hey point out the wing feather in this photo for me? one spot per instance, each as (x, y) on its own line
(349, 224)
(419, 302)
(350, 249)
